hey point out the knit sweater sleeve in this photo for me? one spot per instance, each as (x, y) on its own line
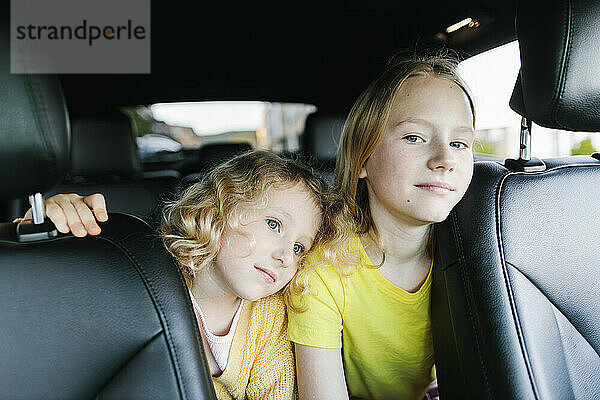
(273, 374)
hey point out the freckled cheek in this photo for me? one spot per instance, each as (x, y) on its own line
(465, 162)
(467, 176)
(462, 189)
(390, 165)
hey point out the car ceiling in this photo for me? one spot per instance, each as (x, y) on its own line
(320, 53)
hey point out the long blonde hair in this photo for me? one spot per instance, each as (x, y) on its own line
(194, 223)
(366, 123)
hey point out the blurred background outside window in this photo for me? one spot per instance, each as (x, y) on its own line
(171, 127)
(491, 77)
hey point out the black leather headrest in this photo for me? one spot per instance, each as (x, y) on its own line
(34, 131)
(211, 155)
(103, 146)
(322, 135)
(559, 83)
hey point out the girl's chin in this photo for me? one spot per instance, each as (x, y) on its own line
(255, 296)
(432, 218)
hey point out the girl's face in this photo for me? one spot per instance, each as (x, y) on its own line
(424, 162)
(262, 256)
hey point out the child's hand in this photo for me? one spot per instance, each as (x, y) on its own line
(71, 212)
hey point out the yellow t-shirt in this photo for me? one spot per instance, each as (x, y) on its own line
(383, 330)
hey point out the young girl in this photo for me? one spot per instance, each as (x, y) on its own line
(239, 237)
(404, 161)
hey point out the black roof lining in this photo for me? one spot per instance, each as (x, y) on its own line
(294, 52)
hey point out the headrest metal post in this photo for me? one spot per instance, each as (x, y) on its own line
(525, 146)
(37, 208)
(525, 163)
(39, 227)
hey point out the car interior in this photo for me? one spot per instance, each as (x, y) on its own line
(514, 304)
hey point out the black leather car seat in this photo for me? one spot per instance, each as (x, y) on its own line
(104, 317)
(202, 160)
(515, 300)
(320, 142)
(104, 159)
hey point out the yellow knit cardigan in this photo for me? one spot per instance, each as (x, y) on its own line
(261, 362)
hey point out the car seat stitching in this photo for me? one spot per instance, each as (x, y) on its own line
(152, 292)
(564, 63)
(466, 290)
(554, 306)
(508, 286)
(190, 307)
(558, 168)
(554, 311)
(135, 354)
(155, 301)
(163, 316)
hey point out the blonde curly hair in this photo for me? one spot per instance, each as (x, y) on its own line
(193, 224)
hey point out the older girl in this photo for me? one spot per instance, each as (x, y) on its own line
(239, 237)
(405, 159)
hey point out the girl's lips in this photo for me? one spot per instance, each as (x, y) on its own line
(436, 187)
(269, 275)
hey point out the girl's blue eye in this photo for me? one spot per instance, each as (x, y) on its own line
(298, 248)
(459, 145)
(414, 139)
(272, 224)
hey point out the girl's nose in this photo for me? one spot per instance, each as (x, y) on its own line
(284, 255)
(442, 158)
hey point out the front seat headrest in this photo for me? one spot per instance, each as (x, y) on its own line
(322, 135)
(103, 146)
(559, 82)
(34, 131)
(211, 155)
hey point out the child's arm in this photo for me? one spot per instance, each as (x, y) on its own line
(320, 373)
(317, 333)
(78, 214)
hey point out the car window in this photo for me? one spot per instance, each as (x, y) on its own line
(491, 77)
(162, 127)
